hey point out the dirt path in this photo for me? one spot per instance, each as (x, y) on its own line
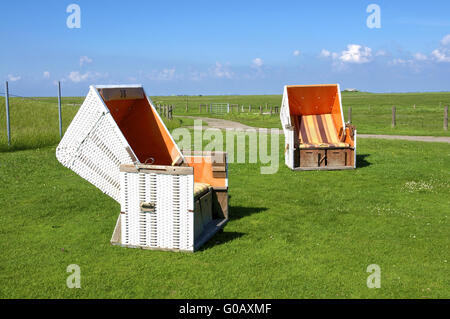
(224, 124)
(220, 123)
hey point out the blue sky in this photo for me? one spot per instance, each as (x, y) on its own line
(229, 47)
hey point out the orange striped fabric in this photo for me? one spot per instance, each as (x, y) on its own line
(318, 131)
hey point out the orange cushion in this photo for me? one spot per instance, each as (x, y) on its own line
(323, 145)
(318, 131)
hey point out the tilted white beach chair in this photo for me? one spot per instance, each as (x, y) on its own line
(169, 200)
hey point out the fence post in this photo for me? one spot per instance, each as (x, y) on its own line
(393, 116)
(271, 110)
(260, 109)
(349, 114)
(249, 108)
(446, 118)
(8, 126)
(59, 109)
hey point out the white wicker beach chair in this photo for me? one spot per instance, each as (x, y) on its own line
(118, 142)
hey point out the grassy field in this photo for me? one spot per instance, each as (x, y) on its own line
(34, 122)
(291, 234)
(371, 113)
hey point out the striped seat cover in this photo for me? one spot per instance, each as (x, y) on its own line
(318, 131)
(200, 189)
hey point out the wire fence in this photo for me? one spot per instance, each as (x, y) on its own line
(34, 121)
(31, 122)
(222, 108)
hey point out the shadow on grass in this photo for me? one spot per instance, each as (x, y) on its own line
(222, 237)
(237, 212)
(361, 160)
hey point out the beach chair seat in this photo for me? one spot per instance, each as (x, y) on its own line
(200, 189)
(316, 136)
(323, 145)
(318, 131)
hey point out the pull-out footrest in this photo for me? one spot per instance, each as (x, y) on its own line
(162, 208)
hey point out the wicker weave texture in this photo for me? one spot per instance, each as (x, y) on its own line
(170, 224)
(94, 147)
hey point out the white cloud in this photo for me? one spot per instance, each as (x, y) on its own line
(13, 78)
(46, 75)
(221, 71)
(257, 62)
(441, 55)
(356, 53)
(324, 53)
(381, 53)
(85, 60)
(166, 74)
(420, 56)
(197, 76)
(445, 40)
(296, 53)
(77, 77)
(400, 62)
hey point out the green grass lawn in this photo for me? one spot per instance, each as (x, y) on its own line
(291, 234)
(371, 113)
(34, 122)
